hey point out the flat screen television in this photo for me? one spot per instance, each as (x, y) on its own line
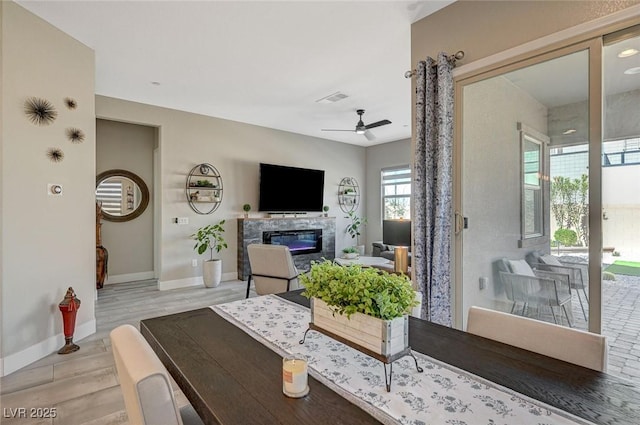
(290, 189)
(396, 232)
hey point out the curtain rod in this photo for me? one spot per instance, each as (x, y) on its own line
(451, 58)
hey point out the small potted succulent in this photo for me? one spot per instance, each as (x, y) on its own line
(350, 253)
(326, 210)
(246, 208)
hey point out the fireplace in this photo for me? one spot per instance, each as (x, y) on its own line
(299, 241)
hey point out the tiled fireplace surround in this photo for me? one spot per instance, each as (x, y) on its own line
(250, 231)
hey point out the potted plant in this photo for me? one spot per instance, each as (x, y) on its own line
(326, 210)
(367, 302)
(210, 237)
(350, 253)
(246, 208)
(354, 229)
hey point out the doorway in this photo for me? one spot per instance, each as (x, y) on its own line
(130, 243)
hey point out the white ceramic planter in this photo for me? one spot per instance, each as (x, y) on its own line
(350, 255)
(212, 273)
(384, 337)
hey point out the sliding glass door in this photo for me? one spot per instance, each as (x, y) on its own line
(548, 191)
(524, 180)
(621, 202)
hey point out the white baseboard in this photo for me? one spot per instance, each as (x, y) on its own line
(191, 281)
(129, 277)
(18, 360)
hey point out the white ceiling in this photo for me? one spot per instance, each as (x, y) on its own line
(261, 62)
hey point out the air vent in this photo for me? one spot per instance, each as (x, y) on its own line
(332, 98)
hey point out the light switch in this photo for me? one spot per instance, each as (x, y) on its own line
(182, 220)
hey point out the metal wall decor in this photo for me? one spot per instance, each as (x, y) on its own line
(348, 194)
(40, 111)
(55, 154)
(204, 188)
(75, 135)
(70, 103)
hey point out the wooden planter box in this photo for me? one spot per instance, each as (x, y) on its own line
(386, 338)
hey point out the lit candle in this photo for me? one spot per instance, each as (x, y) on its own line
(294, 376)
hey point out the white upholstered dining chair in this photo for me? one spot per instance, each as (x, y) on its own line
(272, 269)
(148, 397)
(570, 345)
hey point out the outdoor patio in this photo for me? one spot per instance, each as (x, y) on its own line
(620, 322)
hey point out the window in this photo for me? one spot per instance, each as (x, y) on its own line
(533, 145)
(396, 193)
(109, 195)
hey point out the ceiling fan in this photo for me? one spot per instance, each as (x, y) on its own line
(361, 128)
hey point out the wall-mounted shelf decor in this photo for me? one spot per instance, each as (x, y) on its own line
(204, 188)
(348, 194)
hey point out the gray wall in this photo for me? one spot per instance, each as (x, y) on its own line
(235, 149)
(378, 157)
(48, 242)
(130, 244)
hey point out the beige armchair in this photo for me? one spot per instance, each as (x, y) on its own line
(272, 269)
(148, 397)
(535, 288)
(570, 345)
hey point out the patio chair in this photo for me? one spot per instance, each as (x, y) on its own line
(578, 278)
(570, 345)
(534, 288)
(272, 269)
(148, 397)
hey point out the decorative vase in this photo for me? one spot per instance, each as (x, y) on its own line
(360, 249)
(212, 273)
(384, 337)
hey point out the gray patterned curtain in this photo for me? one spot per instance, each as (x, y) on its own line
(433, 187)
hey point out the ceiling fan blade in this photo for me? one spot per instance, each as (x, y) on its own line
(369, 135)
(377, 124)
(330, 129)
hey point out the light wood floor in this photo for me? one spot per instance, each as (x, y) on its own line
(83, 386)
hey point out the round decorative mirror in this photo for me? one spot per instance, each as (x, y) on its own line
(121, 194)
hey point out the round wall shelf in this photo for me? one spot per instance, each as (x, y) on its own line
(204, 188)
(348, 194)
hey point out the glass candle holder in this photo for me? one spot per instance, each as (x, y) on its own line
(294, 376)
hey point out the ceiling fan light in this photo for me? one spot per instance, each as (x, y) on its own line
(360, 130)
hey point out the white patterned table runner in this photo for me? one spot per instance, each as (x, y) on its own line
(442, 394)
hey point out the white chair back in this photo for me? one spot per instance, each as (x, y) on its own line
(145, 384)
(271, 267)
(570, 345)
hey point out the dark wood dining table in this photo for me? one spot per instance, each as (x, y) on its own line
(232, 379)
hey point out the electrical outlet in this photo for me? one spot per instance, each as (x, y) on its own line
(194, 263)
(483, 282)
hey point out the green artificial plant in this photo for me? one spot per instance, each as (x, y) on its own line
(354, 227)
(210, 237)
(351, 289)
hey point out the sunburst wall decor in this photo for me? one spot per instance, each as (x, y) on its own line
(75, 135)
(55, 154)
(40, 111)
(70, 103)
